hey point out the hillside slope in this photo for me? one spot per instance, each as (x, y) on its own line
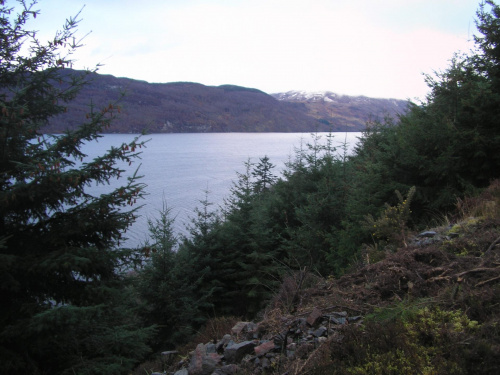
(185, 107)
(343, 112)
(431, 307)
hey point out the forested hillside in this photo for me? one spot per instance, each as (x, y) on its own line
(401, 239)
(185, 107)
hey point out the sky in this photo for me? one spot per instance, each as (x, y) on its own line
(376, 48)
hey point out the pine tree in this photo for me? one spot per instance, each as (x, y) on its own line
(65, 306)
(166, 285)
(264, 175)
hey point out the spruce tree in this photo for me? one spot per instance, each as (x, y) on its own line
(167, 285)
(65, 307)
(264, 175)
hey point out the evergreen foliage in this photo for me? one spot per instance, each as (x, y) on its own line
(165, 287)
(65, 306)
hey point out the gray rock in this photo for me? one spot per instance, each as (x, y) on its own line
(239, 328)
(352, 319)
(226, 340)
(319, 332)
(201, 363)
(338, 320)
(265, 364)
(428, 234)
(235, 353)
(340, 313)
(211, 348)
(183, 371)
(226, 370)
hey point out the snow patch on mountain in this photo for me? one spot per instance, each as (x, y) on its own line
(333, 98)
(301, 96)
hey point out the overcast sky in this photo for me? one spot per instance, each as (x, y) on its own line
(377, 48)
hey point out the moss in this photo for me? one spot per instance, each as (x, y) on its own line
(465, 226)
(427, 341)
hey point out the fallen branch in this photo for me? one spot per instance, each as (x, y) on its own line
(438, 278)
(487, 281)
(479, 269)
(493, 244)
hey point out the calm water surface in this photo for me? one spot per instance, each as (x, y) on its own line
(179, 168)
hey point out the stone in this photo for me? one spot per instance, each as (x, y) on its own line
(169, 352)
(201, 363)
(239, 327)
(340, 313)
(428, 234)
(228, 369)
(226, 339)
(264, 348)
(211, 348)
(338, 320)
(320, 332)
(314, 316)
(252, 331)
(182, 371)
(352, 319)
(236, 352)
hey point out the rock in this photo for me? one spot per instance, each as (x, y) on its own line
(340, 313)
(226, 370)
(169, 352)
(339, 320)
(252, 331)
(261, 351)
(320, 332)
(201, 363)
(246, 329)
(314, 316)
(236, 352)
(428, 234)
(264, 363)
(226, 339)
(211, 348)
(239, 327)
(264, 348)
(352, 319)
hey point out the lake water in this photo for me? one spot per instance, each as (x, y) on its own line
(179, 168)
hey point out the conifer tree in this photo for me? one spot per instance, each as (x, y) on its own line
(167, 286)
(264, 175)
(65, 307)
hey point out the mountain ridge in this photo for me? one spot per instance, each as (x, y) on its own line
(189, 107)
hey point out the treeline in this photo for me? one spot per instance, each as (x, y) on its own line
(330, 211)
(70, 301)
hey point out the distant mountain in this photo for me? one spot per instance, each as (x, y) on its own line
(343, 112)
(185, 107)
